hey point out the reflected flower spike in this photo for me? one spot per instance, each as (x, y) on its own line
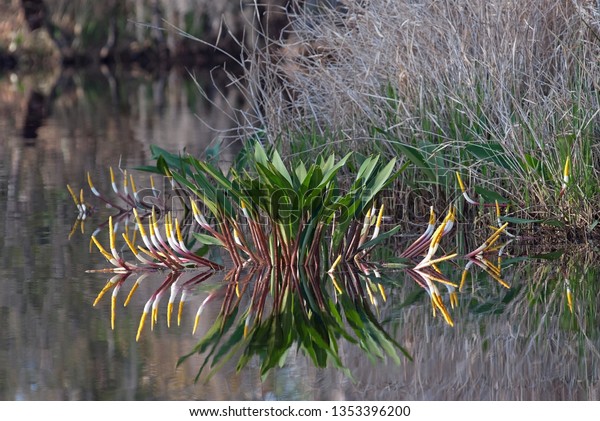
(566, 174)
(180, 309)
(134, 288)
(113, 305)
(199, 313)
(147, 308)
(569, 297)
(108, 286)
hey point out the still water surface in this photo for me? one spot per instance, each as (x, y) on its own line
(522, 343)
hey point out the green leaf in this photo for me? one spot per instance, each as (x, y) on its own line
(380, 238)
(489, 195)
(207, 239)
(514, 220)
(415, 156)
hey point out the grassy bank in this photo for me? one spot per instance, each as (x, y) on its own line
(504, 93)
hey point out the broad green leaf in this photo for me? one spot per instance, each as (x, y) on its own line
(207, 239)
(490, 196)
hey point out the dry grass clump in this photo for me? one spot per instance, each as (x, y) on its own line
(503, 91)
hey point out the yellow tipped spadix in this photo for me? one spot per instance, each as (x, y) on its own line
(133, 189)
(494, 237)
(179, 312)
(178, 231)
(129, 244)
(113, 304)
(460, 182)
(112, 180)
(139, 222)
(453, 299)
(371, 298)
(567, 170)
(106, 254)
(196, 321)
(431, 216)
(141, 325)
(133, 289)
(570, 300)
(440, 305)
(108, 286)
(237, 289)
(73, 195)
(379, 217)
(382, 292)
(498, 214)
(335, 284)
(152, 183)
(111, 233)
(92, 188)
(335, 263)
(169, 312)
(168, 226)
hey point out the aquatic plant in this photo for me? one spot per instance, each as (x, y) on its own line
(298, 241)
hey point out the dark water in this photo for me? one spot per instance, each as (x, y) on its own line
(517, 343)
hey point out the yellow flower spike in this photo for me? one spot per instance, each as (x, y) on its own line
(335, 284)
(129, 244)
(445, 314)
(178, 231)
(237, 289)
(371, 298)
(431, 216)
(495, 236)
(197, 320)
(152, 183)
(133, 189)
(113, 304)
(168, 226)
(453, 299)
(139, 222)
(141, 325)
(125, 182)
(440, 280)
(335, 263)
(155, 313)
(499, 280)
(179, 312)
(133, 289)
(112, 180)
(111, 233)
(442, 259)
(567, 170)
(108, 286)
(169, 312)
(570, 299)
(460, 182)
(246, 326)
(382, 292)
(378, 223)
(106, 254)
(498, 214)
(92, 188)
(73, 196)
